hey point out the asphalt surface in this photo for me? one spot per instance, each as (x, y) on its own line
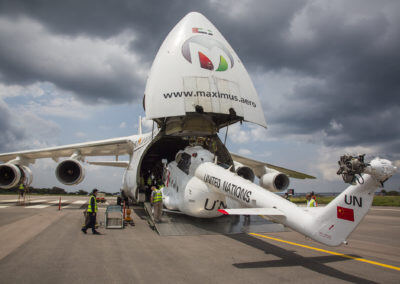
(43, 245)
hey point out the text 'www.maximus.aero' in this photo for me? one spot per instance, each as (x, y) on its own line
(209, 95)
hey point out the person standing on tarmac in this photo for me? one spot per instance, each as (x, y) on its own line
(310, 201)
(92, 212)
(21, 190)
(156, 200)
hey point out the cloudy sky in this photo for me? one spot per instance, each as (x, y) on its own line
(327, 73)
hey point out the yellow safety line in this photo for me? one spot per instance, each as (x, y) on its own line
(330, 252)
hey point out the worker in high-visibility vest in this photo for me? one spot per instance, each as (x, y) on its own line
(91, 214)
(149, 181)
(311, 202)
(148, 184)
(21, 189)
(156, 200)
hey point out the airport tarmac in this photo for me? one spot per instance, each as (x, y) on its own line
(39, 244)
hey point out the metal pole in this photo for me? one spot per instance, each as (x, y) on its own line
(152, 131)
(226, 134)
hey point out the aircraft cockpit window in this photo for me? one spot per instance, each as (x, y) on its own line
(178, 158)
(184, 162)
(225, 166)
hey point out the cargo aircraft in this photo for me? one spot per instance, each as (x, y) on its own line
(196, 86)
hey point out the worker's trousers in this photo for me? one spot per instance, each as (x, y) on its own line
(157, 207)
(91, 221)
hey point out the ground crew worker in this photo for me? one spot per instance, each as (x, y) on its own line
(156, 200)
(149, 183)
(286, 196)
(310, 201)
(92, 212)
(21, 189)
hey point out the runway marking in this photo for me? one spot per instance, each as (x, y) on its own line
(79, 202)
(4, 206)
(37, 206)
(381, 209)
(58, 201)
(330, 252)
(9, 200)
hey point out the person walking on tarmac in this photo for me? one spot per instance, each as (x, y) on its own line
(92, 212)
(156, 200)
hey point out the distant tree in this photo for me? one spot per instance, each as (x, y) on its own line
(393, 193)
(58, 190)
(82, 192)
(383, 192)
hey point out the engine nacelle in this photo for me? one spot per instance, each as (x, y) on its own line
(246, 173)
(274, 181)
(11, 175)
(70, 172)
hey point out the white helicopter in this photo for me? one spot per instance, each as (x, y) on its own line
(198, 85)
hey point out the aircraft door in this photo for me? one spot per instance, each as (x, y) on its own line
(214, 95)
(229, 96)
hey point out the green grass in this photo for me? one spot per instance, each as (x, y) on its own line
(386, 201)
(378, 200)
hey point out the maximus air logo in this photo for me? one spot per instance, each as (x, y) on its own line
(219, 53)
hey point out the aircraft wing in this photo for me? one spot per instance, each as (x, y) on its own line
(259, 167)
(109, 147)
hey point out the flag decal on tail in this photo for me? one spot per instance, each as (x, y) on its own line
(345, 213)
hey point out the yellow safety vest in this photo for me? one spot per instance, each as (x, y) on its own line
(157, 196)
(311, 203)
(149, 181)
(21, 186)
(89, 208)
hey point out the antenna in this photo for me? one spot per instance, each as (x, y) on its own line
(140, 125)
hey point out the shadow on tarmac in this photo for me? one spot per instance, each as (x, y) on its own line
(291, 258)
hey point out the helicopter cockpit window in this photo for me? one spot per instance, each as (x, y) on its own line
(184, 163)
(178, 158)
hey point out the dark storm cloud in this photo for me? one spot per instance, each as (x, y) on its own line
(151, 20)
(354, 53)
(350, 48)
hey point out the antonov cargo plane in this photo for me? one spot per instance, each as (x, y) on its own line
(198, 85)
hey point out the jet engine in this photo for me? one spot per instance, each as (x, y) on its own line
(70, 172)
(11, 175)
(274, 180)
(244, 172)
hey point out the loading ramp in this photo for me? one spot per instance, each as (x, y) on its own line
(175, 224)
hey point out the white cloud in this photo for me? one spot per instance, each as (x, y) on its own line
(147, 124)
(328, 157)
(80, 134)
(34, 90)
(247, 133)
(245, 152)
(122, 125)
(335, 126)
(24, 130)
